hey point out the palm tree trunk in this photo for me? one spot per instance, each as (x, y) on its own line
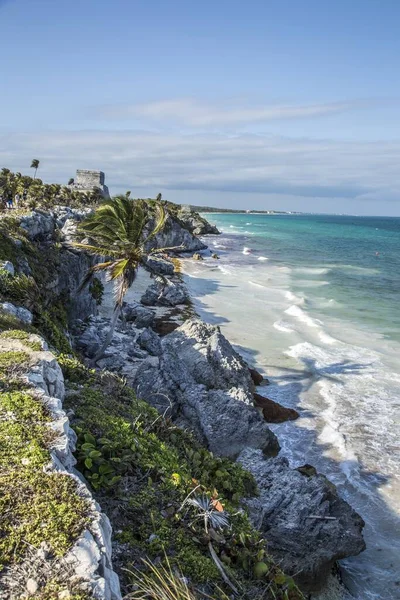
(109, 336)
(34, 177)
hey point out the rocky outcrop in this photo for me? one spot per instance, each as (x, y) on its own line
(196, 224)
(307, 525)
(202, 381)
(175, 235)
(274, 412)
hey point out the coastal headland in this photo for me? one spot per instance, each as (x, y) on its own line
(159, 451)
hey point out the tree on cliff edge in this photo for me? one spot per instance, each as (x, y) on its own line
(120, 230)
(35, 165)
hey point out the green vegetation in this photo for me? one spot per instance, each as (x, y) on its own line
(35, 506)
(30, 291)
(35, 165)
(36, 194)
(143, 469)
(96, 288)
(18, 334)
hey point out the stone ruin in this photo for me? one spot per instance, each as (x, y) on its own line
(87, 181)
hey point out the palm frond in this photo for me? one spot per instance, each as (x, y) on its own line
(160, 218)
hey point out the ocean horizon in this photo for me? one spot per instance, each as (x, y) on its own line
(311, 300)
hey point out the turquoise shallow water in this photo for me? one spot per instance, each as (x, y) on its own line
(312, 300)
(358, 257)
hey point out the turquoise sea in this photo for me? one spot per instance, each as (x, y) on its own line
(313, 301)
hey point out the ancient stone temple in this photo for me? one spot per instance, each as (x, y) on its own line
(87, 180)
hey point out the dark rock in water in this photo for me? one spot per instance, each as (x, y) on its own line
(197, 256)
(214, 256)
(149, 341)
(256, 376)
(274, 412)
(170, 294)
(200, 377)
(307, 470)
(307, 525)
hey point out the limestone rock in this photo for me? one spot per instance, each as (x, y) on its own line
(201, 378)
(149, 341)
(159, 265)
(23, 314)
(38, 224)
(274, 412)
(169, 294)
(284, 512)
(89, 341)
(195, 223)
(142, 316)
(7, 266)
(175, 235)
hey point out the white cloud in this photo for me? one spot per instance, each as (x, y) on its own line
(241, 162)
(192, 113)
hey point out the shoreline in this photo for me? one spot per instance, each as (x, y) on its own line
(370, 502)
(335, 588)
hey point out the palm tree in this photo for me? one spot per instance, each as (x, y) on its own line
(35, 165)
(71, 181)
(119, 230)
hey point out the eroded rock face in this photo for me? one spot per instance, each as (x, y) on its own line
(285, 512)
(201, 379)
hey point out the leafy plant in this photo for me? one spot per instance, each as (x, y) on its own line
(210, 511)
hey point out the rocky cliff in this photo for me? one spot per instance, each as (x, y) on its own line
(140, 464)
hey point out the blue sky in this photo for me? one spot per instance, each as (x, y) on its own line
(283, 104)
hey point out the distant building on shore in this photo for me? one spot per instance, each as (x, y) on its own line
(87, 181)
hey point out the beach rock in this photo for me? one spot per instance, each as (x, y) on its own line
(7, 266)
(197, 256)
(214, 256)
(149, 341)
(274, 412)
(159, 265)
(304, 546)
(201, 378)
(169, 294)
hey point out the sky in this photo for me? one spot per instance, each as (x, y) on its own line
(254, 104)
